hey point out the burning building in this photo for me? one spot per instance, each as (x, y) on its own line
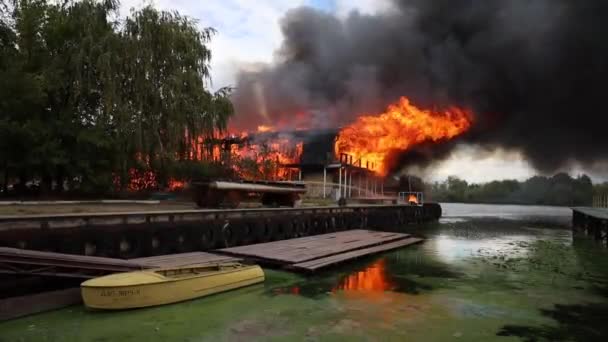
(338, 162)
(301, 155)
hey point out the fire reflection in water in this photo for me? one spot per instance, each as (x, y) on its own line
(371, 279)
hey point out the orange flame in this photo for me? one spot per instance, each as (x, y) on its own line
(412, 199)
(175, 185)
(265, 128)
(372, 138)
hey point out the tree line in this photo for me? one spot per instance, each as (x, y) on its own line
(90, 100)
(560, 189)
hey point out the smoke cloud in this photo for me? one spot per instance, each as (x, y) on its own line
(533, 72)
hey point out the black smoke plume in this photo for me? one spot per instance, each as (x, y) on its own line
(535, 72)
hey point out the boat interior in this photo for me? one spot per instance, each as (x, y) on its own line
(183, 272)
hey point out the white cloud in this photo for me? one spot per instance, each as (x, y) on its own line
(248, 31)
(344, 7)
(474, 165)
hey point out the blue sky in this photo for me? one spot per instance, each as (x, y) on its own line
(325, 5)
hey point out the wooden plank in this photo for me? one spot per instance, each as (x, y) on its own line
(309, 243)
(317, 240)
(14, 307)
(183, 259)
(302, 252)
(317, 264)
(313, 247)
(61, 259)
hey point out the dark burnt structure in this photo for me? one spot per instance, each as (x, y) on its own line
(326, 174)
(592, 222)
(339, 176)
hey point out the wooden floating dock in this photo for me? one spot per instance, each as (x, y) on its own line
(20, 306)
(591, 221)
(183, 259)
(27, 262)
(34, 263)
(302, 254)
(315, 252)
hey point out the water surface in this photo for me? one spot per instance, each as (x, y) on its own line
(485, 273)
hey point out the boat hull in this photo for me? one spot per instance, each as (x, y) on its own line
(170, 291)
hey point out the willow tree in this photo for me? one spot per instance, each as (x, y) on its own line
(166, 63)
(86, 95)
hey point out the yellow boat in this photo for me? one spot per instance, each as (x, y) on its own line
(163, 286)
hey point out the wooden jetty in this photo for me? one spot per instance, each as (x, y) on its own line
(312, 253)
(183, 259)
(591, 221)
(26, 263)
(14, 307)
(306, 254)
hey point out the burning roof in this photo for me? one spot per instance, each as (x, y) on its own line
(373, 138)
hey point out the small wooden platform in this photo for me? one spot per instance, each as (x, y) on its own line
(183, 259)
(14, 307)
(600, 213)
(317, 264)
(591, 221)
(28, 262)
(315, 252)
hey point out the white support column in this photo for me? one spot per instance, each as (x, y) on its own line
(382, 187)
(350, 184)
(340, 182)
(345, 182)
(324, 180)
(359, 187)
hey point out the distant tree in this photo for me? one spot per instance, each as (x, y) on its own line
(456, 188)
(560, 189)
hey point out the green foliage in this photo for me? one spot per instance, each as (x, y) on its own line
(561, 189)
(85, 97)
